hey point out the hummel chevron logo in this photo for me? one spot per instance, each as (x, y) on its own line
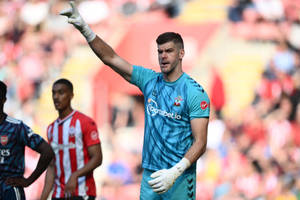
(190, 180)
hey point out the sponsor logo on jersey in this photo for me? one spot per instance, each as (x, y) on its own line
(57, 147)
(203, 105)
(4, 140)
(94, 135)
(4, 152)
(152, 109)
(178, 101)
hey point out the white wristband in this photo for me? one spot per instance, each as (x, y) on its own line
(180, 167)
(183, 164)
(88, 33)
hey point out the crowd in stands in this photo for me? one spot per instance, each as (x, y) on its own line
(258, 157)
(266, 20)
(253, 156)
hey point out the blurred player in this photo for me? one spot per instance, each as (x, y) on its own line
(176, 114)
(14, 136)
(75, 141)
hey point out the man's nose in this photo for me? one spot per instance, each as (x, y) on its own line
(164, 55)
(54, 96)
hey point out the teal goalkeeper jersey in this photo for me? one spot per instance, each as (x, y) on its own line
(169, 108)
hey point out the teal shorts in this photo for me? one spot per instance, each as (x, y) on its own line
(183, 188)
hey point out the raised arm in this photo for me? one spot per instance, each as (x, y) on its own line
(104, 52)
(110, 58)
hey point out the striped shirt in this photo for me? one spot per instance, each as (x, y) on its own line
(70, 139)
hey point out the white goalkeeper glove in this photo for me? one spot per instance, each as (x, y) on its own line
(75, 18)
(164, 179)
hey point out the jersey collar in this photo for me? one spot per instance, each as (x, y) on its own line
(176, 81)
(3, 118)
(60, 121)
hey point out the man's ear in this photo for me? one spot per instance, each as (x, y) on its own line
(181, 53)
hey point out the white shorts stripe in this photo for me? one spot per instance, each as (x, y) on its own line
(17, 193)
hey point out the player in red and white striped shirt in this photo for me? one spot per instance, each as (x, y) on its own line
(75, 142)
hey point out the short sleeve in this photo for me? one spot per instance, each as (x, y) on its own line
(49, 133)
(198, 103)
(29, 138)
(90, 134)
(140, 76)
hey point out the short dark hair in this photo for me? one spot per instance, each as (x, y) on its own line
(65, 82)
(3, 90)
(170, 37)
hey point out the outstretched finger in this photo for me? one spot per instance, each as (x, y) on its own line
(66, 12)
(72, 5)
(74, 9)
(69, 11)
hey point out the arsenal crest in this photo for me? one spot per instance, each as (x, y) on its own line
(3, 140)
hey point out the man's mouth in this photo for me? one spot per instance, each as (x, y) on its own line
(164, 64)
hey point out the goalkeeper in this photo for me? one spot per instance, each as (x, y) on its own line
(176, 114)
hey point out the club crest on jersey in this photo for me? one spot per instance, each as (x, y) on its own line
(203, 105)
(4, 140)
(72, 131)
(178, 100)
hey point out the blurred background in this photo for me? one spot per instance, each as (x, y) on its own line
(245, 53)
